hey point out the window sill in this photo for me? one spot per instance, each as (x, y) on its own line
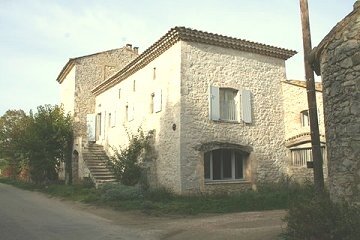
(226, 121)
(214, 182)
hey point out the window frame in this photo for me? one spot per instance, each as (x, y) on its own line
(210, 167)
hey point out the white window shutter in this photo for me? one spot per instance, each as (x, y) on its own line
(214, 107)
(103, 121)
(90, 126)
(131, 112)
(157, 101)
(246, 106)
(113, 118)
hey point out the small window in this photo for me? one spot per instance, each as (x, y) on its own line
(300, 156)
(152, 96)
(304, 118)
(224, 164)
(134, 86)
(154, 73)
(109, 120)
(230, 104)
(119, 93)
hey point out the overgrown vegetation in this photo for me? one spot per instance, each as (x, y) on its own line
(318, 218)
(127, 161)
(162, 201)
(34, 145)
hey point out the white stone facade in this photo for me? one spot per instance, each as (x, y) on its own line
(177, 88)
(184, 74)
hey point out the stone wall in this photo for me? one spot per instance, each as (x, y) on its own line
(206, 65)
(90, 71)
(160, 77)
(340, 70)
(297, 135)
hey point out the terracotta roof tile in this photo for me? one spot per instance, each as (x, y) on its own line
(191, 35)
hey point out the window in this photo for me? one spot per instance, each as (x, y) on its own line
(119, 93)
(156, 101)
(134, 86)
(224, 164)
(230, 104)
(304, 118)
(129, 112)
(300, 156)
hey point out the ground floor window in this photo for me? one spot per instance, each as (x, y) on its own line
(300, 156)
(224, 164)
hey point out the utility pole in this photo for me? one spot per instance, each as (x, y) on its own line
(311, 97)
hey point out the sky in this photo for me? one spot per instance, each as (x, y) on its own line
(37, 37)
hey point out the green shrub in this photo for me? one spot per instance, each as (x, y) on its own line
(320, 218)
(117, 192)
(126, 163)
(159, 194)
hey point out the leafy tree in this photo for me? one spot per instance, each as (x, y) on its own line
(48, 142)
(12, 129)
(38, 141)
(126, 163)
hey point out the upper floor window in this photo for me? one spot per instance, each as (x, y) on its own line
(230, 104)
(304, 118)
(224, 164)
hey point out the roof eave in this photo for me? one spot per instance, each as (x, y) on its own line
(66, 69)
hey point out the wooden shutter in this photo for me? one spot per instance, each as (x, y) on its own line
(246, 106)
(113, 119)
(90, 126)
(157, 101)
(214, 107)
(103, 121)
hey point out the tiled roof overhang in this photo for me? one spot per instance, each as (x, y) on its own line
(190, 35)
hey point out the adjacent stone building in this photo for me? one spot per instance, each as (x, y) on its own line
(337, 59)
(297, 129)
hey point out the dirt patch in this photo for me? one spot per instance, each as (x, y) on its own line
(266, 225)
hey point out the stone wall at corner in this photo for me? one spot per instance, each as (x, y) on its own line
(340, 70)
(91, 71)
(204, 66)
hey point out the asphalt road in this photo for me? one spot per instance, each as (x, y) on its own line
(26, 215)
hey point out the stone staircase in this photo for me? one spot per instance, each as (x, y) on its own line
(96, 160)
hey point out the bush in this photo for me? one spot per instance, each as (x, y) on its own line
(116, 192)
(320, 219)
(126, 163)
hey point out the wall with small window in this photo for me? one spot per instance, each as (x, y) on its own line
(147, 99)
(296, 114)
(230, 96)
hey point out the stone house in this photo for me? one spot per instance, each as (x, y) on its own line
(337, 60)
(223, 114)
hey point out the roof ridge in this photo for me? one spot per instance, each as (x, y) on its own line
(178, 33)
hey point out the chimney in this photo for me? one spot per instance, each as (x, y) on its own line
(128, 46)
(136, 49)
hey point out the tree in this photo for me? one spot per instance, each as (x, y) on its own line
(49, 139)
(12, 129)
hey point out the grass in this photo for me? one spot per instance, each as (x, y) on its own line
(161, 201)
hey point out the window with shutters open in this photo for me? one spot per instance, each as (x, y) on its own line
(230, 104)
